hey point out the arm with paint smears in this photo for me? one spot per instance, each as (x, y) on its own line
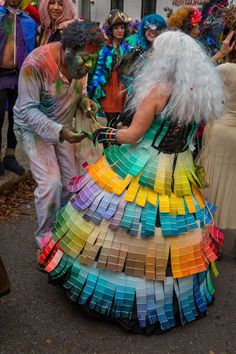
(29, 102)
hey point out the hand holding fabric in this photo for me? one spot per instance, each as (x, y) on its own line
(71, 135)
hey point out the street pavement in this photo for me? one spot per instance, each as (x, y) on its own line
(36, 317)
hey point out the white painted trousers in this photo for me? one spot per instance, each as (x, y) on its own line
(52, 166)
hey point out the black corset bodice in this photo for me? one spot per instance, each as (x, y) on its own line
(172, 137)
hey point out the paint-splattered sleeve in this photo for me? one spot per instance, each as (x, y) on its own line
(29, 87)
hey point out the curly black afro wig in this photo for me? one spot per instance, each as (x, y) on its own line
(78, 34)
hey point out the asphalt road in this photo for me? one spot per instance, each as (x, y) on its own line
(36, 317)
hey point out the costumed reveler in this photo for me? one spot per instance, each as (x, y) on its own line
(50, 93)
(132, 38)
(30, 8)
(54, 17)
(105, 87)
(136, 242)
(150, 27)
(187, 19)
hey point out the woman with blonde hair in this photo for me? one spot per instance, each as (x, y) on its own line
(55, 15)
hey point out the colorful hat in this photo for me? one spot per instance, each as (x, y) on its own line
(115, 17)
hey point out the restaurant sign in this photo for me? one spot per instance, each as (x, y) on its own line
(189, 2)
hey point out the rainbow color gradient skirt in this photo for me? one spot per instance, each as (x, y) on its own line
(136, 242)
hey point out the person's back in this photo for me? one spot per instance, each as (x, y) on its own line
(218, 153)
(228, 72)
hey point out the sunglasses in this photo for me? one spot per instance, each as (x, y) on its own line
(152, 31)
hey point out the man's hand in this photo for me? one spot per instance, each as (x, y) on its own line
(88, 107)
(226, 47)
(71, 136)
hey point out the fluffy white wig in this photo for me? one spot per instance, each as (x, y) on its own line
(181, 66)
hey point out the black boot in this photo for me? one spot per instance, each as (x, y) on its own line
(4, 280)
(11, 164)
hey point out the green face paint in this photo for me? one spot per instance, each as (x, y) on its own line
(79, 63)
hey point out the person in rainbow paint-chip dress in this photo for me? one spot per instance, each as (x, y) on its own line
(137, 242)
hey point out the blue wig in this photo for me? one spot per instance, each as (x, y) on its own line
(152, 19)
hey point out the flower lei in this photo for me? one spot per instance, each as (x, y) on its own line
(196, 17)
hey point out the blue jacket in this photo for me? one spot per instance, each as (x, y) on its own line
(29, 28)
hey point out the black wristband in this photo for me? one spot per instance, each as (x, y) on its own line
(106, 136)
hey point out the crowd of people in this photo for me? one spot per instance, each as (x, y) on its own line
(133, 236)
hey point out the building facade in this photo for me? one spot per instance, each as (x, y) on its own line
(97, 10)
